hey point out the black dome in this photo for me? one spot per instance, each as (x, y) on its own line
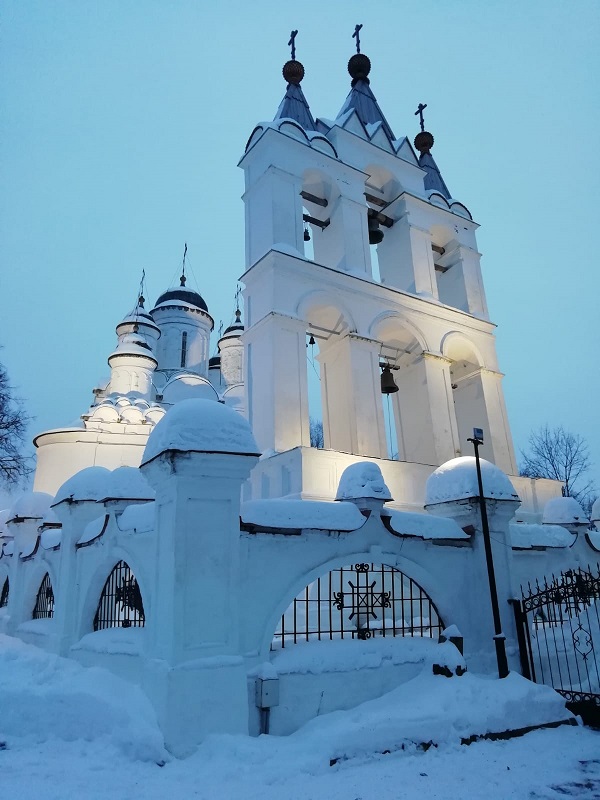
(185, 295)
(232, 328)
(215, 361)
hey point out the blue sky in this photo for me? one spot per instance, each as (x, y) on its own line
(122, 123)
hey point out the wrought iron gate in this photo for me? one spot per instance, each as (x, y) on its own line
(558, 625)
(359, 601)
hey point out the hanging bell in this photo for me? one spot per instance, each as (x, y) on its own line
(306, 234)
(375, 232)
(311, 341)
(388, 384)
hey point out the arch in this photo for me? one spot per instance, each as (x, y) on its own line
(410, 569)
(98, 581)
(120, 604)
(4, 591)
(186, 385)
(44, 601)
(386, 324)
(33, 574)
(325, 309)
(457, 347)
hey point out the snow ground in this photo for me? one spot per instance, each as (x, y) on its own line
(71, 732)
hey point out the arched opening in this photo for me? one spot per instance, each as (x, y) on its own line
(4, 593)
(468, 395)
(406, 412)
(381, 188)
(44, 601)
(315, 405)
(359, 601)
(120, 604)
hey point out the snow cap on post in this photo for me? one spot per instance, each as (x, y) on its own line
(457, 480)
(88, 484)
(564, 511)
(201, 426)
(595, 516)
(363, 481)
(29, 505)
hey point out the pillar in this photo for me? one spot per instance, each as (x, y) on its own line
(276, 383)
(406, 258)
(352, 407)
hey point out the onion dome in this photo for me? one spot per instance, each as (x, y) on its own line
(137, 318)
(181, 296)
(237, 328)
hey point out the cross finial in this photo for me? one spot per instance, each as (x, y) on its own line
(356, 35)
(292, 43)
(419, 113)
(183, 278)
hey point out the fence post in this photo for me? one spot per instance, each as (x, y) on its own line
(520, 623)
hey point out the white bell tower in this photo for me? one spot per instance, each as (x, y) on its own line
(355, 240)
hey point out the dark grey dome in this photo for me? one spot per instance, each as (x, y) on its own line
(215, 361)
(185, 296)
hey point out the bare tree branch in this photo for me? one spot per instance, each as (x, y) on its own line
(14, 465)
(563, 456)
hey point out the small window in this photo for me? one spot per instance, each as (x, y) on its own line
(4, 594)
(44, 602)
(183, 348)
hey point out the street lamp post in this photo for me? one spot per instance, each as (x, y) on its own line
(499, 637)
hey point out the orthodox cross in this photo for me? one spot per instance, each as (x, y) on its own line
(238, 292)
(419, 113)
(356, 35)
(292, 44)
(182, 279)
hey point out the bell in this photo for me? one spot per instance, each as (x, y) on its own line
(306, 234)
(388, 384)
(375, 232)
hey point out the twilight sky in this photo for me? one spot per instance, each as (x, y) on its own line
(122, 123)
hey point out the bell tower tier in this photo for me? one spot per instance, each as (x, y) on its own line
(354, 242)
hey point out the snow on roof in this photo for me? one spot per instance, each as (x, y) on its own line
(457, 480)
(31, 505)
(302, 514)
(524, 536)
(128, 483)
(93, 530)
(204, 426)
(564, 511)
(88, 484)
(595, 515)
(51, 538)
(426, 526)
(138, 517)
(362, 480)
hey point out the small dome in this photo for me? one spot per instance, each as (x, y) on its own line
(31, 505)
(181, 295)
(362, 480)
(596, 511)
(457, 480)
(564, 511)
(90, 483)
(201, 426)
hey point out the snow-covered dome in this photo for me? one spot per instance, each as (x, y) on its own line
(90, 483)
(457, 480)
(564, 511)
(128, 483)
(201, 426)
(31, 505)
(595, 516)
(362, 480)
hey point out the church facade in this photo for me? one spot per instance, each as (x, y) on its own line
(191, 538)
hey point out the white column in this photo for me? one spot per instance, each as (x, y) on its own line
(276, 383)
(352, 407)
(273, 214)
(424, 409)
(499, 429)
(406, 258)
(462, 285)
(344, 243)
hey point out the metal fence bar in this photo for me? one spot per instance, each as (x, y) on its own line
(120, 604)
(44, 602)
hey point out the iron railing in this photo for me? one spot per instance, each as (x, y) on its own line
(559, 622)
(4, 594)
(44, 602)
(359, 602)
(120, 604)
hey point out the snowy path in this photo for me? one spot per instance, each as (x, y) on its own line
(544, 765)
